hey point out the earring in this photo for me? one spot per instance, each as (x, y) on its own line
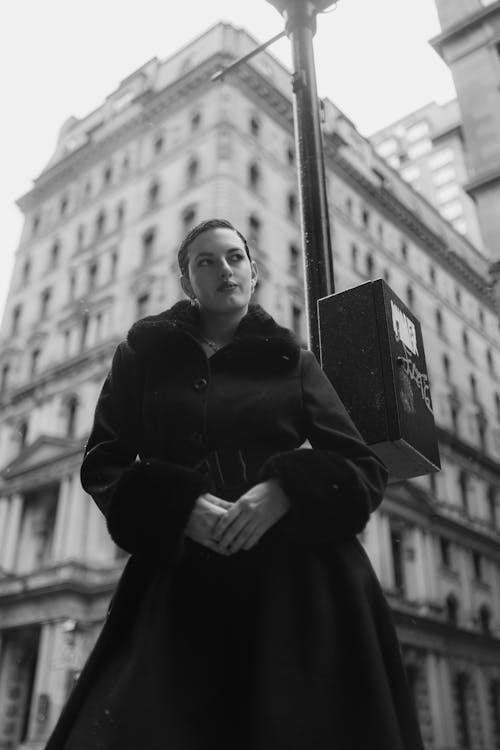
(193, 302)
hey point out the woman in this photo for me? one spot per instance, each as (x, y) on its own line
(248, 615)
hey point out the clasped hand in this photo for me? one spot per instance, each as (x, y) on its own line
(230, 527)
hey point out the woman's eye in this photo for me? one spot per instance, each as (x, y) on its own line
(236, 257)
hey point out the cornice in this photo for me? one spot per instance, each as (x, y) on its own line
(470, 453)
(154, 105)
(452, 639)
(469, 22)
(483, 181)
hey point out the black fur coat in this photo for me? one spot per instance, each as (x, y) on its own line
(289, 646)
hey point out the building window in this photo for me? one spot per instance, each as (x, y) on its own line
(464, 491)
(294, 258)
(153, 196)
(348, 206)
(54, 254)
(35, 358)
(446, 366)
(466, 343)
(492, 505)
(404, 251)
(15, 320)
(491, 363)
(397, 559)
(291, 202)
(370, 266)
(454, 418)
(473, 387)
(70, 416)
(254, 230)
(125, 164)
(87, 190)
(22, 431)
(410, 297)
(193, 169)
(365, 218)
(297, 320)
(107, 176)
(290, 155)
(84, 329)
(142, 305)
(195, 121)
(451, 606)
(44, 303)
(72, 285)
(4, 379)
(35, 226)
(354, 256)
(148, 245)
(92, 277)
(188, 218)
(100, 224)
(497, 406)
(255, 126)
(113, 265)
(440, 323)
(445, 552)
(477, 565)
(254, 177)
(120, 215)
(26, 272)
(63, 205)
(158, 145)
(461, 689)
(432, 275)
(80, 237)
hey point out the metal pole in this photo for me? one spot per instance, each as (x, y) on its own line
(300, 19)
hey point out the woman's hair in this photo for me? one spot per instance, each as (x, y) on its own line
(204, 226)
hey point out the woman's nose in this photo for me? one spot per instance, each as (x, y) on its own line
(225, 268)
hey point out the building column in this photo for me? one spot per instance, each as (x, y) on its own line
(436, 699)
(61, 519)
(39, 726)
(12, 531)
(73, 544)
(4, 512)
(420, 567)
(465, 574)
(481, 683)
(431, 565)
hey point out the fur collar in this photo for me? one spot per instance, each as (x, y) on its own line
(258, 340)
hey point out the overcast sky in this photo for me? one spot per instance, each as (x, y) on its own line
(63, 57)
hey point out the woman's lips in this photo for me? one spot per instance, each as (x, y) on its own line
(227, 288)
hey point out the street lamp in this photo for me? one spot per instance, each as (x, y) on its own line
(300, 26)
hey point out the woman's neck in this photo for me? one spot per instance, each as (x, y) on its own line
(220, 327)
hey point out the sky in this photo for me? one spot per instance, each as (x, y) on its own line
(60, 58)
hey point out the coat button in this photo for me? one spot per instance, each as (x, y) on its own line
(196, 438)
(200, 384)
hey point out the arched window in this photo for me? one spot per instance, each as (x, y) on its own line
(452, 609)
(100, 224)
(254, 178)
(153, 194)
(71, 409)
(193, 169)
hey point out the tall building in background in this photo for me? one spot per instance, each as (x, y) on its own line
(98, 250)
(470, 44)
(427, 149)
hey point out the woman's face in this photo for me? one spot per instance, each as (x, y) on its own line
(220, 272)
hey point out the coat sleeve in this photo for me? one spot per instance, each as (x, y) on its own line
(146, 502)
(335, 485)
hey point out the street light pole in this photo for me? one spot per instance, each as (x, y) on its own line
(300, 26)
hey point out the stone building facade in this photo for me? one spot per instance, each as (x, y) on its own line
(98, 250)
